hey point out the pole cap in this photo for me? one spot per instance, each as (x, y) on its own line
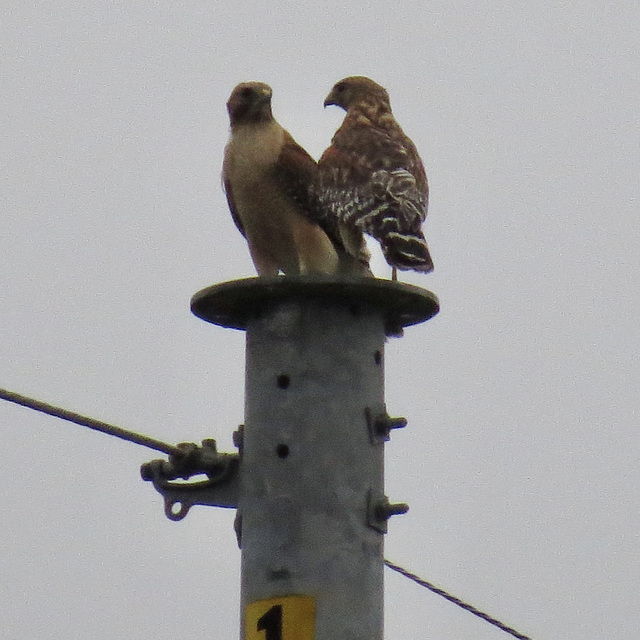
(233, 304)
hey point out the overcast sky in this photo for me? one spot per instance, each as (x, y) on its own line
(521, 458)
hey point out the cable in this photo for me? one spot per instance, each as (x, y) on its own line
(85, 421)
(457, 601)
(169, 449)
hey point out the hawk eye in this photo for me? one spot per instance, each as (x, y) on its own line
(340, 87)
(246, 92)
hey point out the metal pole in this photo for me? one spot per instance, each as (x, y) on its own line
(312, 510)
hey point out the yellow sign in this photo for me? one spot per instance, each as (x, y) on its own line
(284, 618)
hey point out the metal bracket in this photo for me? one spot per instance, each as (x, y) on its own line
(380, 425)
(379, 510)
(220, 489)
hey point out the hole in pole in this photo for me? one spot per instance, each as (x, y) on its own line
(283, 381)
(282, 451)
(377, 357)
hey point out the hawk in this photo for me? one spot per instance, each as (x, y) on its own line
(371, 178)
(268, 180)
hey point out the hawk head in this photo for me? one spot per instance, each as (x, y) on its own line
(250, 102)
(356, 91)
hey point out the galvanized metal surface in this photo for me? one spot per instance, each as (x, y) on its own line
(311, 506)
(220, 489)
(308, 465)
(233, 304)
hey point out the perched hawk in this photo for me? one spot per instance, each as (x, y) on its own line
(268, 180)
(371, 178)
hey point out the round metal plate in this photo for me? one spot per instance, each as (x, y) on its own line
(232, 304)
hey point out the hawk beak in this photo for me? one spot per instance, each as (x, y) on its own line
(330, 100)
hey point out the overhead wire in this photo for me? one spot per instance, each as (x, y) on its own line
(460, 603)
(158, 445)
(85, 421)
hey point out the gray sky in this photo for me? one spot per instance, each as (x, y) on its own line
(521, 458)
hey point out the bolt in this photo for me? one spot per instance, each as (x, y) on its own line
(381, 425)
(145, 471)
(237, 437)
(384, 509)
(210, 443)
(384, 423)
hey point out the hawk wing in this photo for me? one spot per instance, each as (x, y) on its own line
(228, 192)
(296, 172)
(372, 179)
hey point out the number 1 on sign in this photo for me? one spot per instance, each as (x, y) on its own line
(271, 622)
(286, 618)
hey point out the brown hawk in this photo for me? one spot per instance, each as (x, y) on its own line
(371, 178)
(268, 181)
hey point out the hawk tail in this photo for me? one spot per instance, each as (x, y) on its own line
(407, 252)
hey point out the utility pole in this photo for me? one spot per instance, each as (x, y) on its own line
(308, 483)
